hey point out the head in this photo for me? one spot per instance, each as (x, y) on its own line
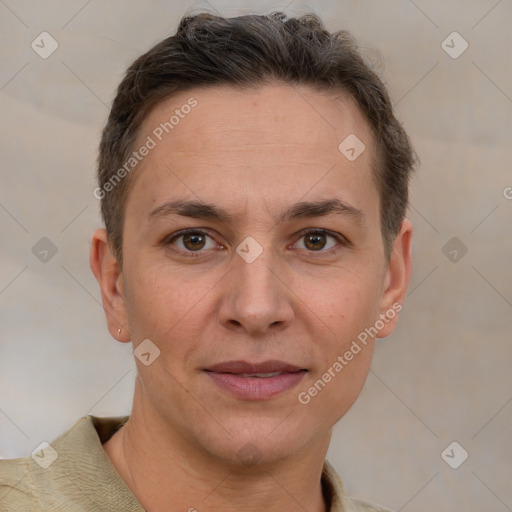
(275, 145)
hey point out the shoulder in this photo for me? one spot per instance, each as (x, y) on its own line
(340, 502)
(366, 506)
(70, 474)
(16, 486)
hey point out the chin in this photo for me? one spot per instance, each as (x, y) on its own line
(260, 443)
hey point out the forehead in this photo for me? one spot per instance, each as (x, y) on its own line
(253, 143)
(275, 113)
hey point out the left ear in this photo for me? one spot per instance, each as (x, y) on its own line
(398, 276)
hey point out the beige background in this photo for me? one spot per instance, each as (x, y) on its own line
(443, 376)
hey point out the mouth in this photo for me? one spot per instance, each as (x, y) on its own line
(255, 381)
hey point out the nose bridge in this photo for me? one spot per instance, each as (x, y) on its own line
(257, 297)
(257, 278)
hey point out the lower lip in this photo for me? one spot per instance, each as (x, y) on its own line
(256, 388)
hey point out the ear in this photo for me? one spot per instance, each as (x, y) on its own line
(110, 278)
(398, 276)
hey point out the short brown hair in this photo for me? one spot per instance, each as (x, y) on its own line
(246, 51)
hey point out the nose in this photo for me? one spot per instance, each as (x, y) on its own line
(256, 299)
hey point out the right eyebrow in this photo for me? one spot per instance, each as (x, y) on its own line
(194, 209)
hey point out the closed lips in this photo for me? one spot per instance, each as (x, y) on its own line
(261, 370)
(255, 381)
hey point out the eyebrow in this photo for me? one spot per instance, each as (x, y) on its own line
(201, 210)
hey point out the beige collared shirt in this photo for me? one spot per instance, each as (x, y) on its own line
(74, 474)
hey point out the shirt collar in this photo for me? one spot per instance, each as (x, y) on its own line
(90, 432)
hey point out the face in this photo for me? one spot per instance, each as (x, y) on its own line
(254, 262)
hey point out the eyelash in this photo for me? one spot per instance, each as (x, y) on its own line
(342, 241)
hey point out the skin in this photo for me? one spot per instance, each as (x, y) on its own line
(254, 153)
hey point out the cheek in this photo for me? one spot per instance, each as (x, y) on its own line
(342, 363)
(347, 310)
(161, 304)
(333, 393)
(347, 305)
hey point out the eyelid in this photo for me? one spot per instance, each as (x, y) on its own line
(342, 240)
(168, 240)
(324, 231)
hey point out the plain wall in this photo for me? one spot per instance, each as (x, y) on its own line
(443, 376)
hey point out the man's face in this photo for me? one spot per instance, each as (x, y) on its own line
(283, 275)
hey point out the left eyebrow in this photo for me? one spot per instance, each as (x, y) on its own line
(320, 209)
(200, 210)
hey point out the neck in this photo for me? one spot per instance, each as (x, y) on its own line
(167, 472)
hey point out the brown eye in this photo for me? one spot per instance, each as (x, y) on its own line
(315, 241)
(194, 241)
(320, 241)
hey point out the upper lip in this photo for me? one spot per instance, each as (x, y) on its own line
(246, 367)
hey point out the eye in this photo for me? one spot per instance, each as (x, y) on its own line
(192, 241)
(195, 241)
(319, 240)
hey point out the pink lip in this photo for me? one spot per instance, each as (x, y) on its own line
(228, 377)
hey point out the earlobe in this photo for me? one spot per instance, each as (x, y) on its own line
(106, 269)
(398, 275)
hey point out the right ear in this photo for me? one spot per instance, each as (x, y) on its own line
(109, 275)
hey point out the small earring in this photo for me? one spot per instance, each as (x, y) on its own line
(119, 332)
